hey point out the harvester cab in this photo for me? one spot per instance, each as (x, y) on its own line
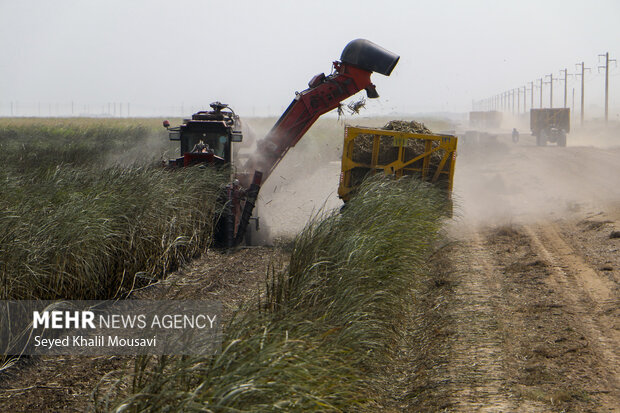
(207, 138)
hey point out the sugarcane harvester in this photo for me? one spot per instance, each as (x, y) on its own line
(208, 137)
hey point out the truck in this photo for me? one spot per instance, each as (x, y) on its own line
(550, 125)
(209, 137)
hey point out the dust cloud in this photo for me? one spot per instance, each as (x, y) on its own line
(154, 148)
(304, 183)
(292, 195)
(498, 181)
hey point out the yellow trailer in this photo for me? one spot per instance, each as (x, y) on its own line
(369, 151)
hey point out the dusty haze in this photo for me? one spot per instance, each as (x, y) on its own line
(501, 182)
(162, 57)
(496, 181)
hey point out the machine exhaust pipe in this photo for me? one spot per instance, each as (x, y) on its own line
(369, 56)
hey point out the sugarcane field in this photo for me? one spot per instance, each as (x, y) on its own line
(334, 207)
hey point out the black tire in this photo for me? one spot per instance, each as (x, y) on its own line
(562, 139)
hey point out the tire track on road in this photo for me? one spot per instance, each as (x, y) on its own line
(590, 296)
(476, 371)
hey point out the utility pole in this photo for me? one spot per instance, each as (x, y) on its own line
(541, 91)
(508, 101)
(607, 60)
(513, 100)
(565, 83)
(518, 100)
(524, 99)
(583, 69)
(532, 95)
(551, 92)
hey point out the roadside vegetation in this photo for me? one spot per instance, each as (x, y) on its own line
(325, 328)
(87, 211)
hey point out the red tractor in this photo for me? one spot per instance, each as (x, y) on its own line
(208, 137)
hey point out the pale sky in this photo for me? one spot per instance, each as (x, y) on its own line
(161, 56)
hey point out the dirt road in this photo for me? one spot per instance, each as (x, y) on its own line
(527, 314)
